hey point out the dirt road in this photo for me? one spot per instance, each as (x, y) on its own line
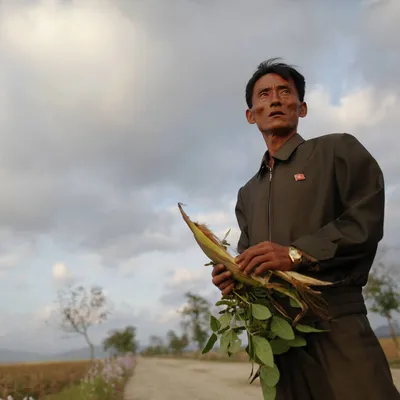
(167, 379)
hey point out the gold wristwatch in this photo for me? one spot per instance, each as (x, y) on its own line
(295, 255)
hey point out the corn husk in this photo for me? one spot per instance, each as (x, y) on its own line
(215, 250)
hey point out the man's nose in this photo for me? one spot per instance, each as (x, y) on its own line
(275, 99)
(275, 103)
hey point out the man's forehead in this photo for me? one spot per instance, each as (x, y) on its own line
(272, 80)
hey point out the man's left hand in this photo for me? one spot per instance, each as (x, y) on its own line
(265, 256)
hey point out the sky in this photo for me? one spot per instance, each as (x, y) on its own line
(112, 112)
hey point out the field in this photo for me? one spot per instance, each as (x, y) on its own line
(389, 348)
(37, 380)
(103, 380)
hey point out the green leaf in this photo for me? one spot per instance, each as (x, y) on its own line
(271, 335)
(221, 331)
(282, 328)
(269, 393)
(260, 312)
(226, 235)
(235, 343)
(226, 339)
(235, 346)
(210, 343)
(230, 342)
(225, 320)
(298, 341)
(270, 376)
(240, 311)
(293, 297)
(262, 301)
(295, 303)
(250, 348)
(225, 303)
(308, 329)
(263, 350)
(215, 325)
(279, 346)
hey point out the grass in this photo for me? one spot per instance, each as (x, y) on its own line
(72, 393)
(104, 380)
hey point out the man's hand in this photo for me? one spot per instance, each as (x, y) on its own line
(222, 279)
(264, 256)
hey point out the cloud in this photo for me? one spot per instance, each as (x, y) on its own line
(184, 275)
(100, 148)
(376, 54)
(61, 274)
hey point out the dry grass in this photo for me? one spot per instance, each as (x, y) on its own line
(39, 379)
(389, 348)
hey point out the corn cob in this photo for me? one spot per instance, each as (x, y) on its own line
(217, 253)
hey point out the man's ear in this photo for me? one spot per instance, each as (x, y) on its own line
(303, 109)
(250, 116)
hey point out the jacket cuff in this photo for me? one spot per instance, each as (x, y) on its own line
(319, 248)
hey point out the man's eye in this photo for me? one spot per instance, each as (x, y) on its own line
(285, 91)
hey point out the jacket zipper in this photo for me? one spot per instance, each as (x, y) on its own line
(269, 206)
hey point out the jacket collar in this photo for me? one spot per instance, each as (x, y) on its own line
(283, 153)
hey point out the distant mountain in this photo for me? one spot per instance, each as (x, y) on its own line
(79, 354)
(384, 332)
(12, 357)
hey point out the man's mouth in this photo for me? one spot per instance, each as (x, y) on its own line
(274, 113)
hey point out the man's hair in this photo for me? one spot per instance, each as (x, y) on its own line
(272, 66)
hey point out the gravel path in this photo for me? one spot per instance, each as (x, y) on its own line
(168, 379)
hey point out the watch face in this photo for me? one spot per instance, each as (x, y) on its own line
(294, 254)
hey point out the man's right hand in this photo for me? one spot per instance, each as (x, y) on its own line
(222, 279)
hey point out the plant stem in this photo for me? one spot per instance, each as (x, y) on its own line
(240, 297)
(244, 324)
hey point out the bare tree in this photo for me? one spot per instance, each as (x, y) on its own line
(82, 308)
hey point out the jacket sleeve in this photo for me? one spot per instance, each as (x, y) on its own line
(243, 242)
(356, 232)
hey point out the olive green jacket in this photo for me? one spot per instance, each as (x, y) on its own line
(325, 196)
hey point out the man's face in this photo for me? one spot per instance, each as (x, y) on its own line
(276, 106)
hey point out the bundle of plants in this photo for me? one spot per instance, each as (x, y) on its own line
(255, 308)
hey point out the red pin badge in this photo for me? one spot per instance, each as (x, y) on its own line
(299, 177)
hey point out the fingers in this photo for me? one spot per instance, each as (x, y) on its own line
(218, 269)
(264, 267)
(218, 279)
(226, 291)
(256, 261)
(259, 249)
(225, 284)
(222, 279)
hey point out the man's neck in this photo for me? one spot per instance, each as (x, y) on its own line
(274, 143)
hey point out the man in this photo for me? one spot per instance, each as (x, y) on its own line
(317, 207)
